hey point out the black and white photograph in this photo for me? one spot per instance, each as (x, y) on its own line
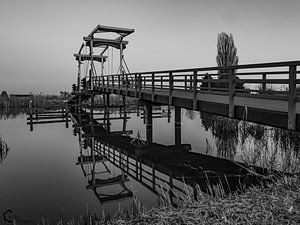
(140, 112)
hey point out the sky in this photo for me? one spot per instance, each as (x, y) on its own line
(38, 38)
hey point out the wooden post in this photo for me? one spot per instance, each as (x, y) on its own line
(30, 115)
(149, 124)
(153, 87)
(127, 84)
(185, 82)
(136, 85)
(119, 83)
(191, 82)
(36, 114)
(231, 80)
(113, 82)
(292, 98)
(140, 85)
(264, 85)
(195, 84)
(161, 82)
(79, 73)
(209, 82)
(66, 115)
(92, 64)
(177, 125)
(170, 88)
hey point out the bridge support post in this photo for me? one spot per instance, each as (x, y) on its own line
(292, 98)
(66, 115)
(153, 87)
(170, 88)
(177, 125)
(231, 81)
(264, 84)
(92, 113)
(136, 85)
(30, 115)
(149, 124)
(124, 100)
(140, 85)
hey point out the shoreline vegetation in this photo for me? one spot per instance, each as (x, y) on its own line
(275, 203)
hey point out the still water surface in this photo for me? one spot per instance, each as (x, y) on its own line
(40, 178)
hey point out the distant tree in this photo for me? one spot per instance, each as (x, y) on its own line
(226, 55)
(226, 50)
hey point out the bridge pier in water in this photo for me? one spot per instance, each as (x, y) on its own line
(149, 123)
(177, 125)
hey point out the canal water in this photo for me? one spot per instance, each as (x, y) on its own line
(57, 171)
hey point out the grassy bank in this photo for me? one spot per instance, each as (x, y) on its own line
(278, 203)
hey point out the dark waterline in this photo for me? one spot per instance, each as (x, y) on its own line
(40, 177)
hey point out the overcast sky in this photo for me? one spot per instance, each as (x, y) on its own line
(38, 37)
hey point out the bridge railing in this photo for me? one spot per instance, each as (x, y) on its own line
(276, 80)
(268, 79)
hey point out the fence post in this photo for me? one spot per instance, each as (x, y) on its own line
(231, 81)
(185, 82)
(264, 85)
(195, 83)
(170, 88)
(153, 88)
(292, 98)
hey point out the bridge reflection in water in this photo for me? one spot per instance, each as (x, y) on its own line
(163, 169)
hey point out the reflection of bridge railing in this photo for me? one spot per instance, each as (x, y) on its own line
(249, 86)
(160, 167)
(88, 160)
(135, 168)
